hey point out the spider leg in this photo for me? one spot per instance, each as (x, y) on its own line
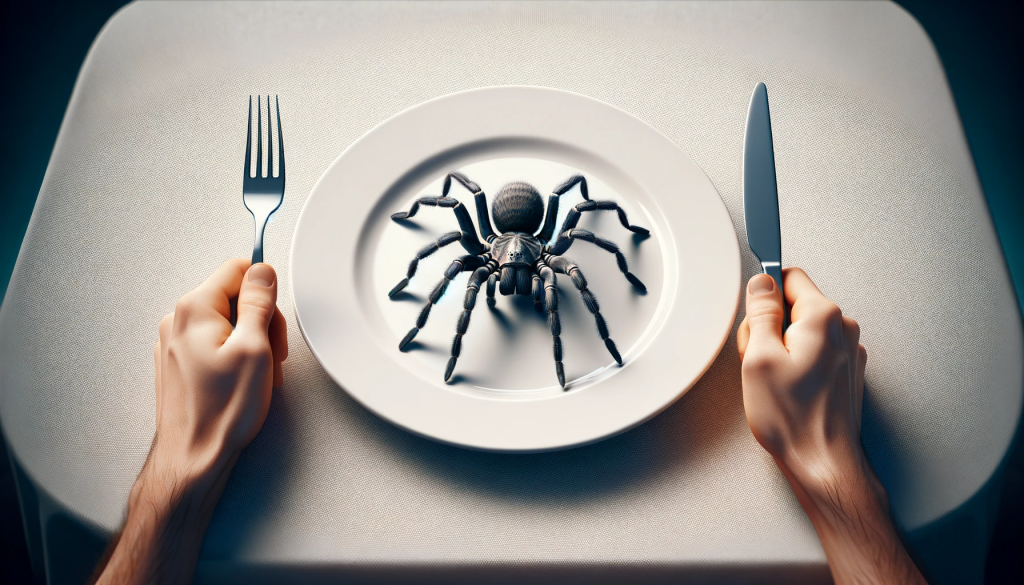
(470, 241)
(456, 267)
(576, 212)
(551, 217)
(479, 197)
(538, 293)
(551, 303)
(472, 288)
(566, 238)
(492, 282)
(567, 266)
(423, 253)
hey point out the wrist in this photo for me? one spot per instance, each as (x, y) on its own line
(178, 486)
(169, 508)
(817, 467)
(834, 486)
(849, 509)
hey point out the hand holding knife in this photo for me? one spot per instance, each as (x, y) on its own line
(760, 194)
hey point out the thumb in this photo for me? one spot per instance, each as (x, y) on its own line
(257, 299)
(764, 314)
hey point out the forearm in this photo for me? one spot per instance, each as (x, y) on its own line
(214, 373)
(850, 512)
(169, 509)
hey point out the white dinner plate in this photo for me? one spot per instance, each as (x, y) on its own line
(504, 395)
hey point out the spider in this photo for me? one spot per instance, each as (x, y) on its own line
(519, 260)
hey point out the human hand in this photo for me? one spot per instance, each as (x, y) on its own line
(802, 393)
(213, 388)
(213, 383)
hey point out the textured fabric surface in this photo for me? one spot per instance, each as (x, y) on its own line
(879, 202)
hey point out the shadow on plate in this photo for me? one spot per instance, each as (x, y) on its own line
(690, 431)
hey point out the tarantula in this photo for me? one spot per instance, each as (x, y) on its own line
(521, 255)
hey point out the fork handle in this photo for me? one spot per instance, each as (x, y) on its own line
(257, 246)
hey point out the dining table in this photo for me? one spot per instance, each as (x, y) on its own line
(879, 203)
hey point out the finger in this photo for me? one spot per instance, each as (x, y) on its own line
(851, 345)
(743, 337)
(278, 374)
(217, 291)
(279, 336)
(166, 327)
(156, 378)
(858, 396)
(851, 341)
(801, 292)
(257, 300)
(764, 314)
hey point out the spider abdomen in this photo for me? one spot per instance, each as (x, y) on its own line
(518, 207)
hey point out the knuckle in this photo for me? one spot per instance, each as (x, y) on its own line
(763, 311)
(793, 270)
(769, 317)
(167, 320)
(255, 306)
(252, 348)
(768, 438)
(852, 327)
(186, 305)
(758, 364)
(842, 361)
(175, 352)
(832, 319)
(831, 313)
(238, 263)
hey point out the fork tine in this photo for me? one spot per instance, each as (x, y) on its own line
(259, 137)
(248, 142)
(280, 139)
(270, 142)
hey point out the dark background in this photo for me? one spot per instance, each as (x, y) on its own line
(45, 41)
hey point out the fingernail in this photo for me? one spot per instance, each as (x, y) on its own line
(262, 275)
(761, 284)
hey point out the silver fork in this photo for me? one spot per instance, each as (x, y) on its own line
(263, 195)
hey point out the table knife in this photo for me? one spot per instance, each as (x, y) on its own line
(760, 194)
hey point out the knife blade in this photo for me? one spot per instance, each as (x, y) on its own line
(760, 193)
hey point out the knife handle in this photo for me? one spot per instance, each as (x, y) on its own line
(774, 270)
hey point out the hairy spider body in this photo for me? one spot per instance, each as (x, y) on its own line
(519, 259)
(516, 254)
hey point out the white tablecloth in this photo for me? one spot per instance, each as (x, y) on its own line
(879, 202)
